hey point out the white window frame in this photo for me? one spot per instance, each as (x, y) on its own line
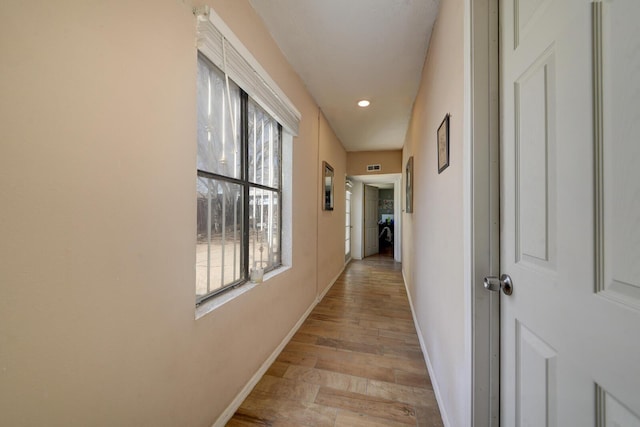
(219, 44)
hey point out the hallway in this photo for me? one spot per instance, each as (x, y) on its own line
(355, 361)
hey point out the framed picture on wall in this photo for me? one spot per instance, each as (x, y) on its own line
(327, 184)
(409, 186)
(443, 144)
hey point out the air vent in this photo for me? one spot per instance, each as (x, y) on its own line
(373, 168)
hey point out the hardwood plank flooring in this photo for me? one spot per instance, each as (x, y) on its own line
(356, 361)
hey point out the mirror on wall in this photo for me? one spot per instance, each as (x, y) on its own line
(328, 186)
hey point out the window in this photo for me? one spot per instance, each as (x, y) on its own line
(246, 128)
(239, 180)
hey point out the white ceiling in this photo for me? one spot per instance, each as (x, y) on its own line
(381, 181)
(347, 50)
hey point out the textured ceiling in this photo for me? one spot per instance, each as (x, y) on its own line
(347, 50)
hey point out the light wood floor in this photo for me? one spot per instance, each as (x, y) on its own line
(355, 361)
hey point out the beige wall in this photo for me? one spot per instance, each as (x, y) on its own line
(97, 180)
(389, 161)
(432, 236)
(331, 224)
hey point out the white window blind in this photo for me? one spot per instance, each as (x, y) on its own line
(222, 47)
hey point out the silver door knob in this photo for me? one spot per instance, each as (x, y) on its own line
(494, 283)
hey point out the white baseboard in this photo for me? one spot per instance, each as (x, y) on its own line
(237, 401)
(434, 381)
(329, 286)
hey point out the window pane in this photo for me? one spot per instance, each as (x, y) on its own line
(218, 116)
(219, 235)
(264, 229)
(264, 147)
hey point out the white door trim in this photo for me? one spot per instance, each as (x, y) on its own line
(397, 218)
(357, 211)
(371, 242)
(482, 208)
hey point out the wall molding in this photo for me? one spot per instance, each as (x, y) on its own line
(224, 418)
(601, 420)
(425, 353)
(605, 285)
(598, 140)
(610, 411)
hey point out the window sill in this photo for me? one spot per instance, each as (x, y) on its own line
(220, 300)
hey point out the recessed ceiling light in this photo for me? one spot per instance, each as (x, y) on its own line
(363, 103)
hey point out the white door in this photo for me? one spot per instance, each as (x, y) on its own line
(370, 220)
(347, 222)
(570, 212)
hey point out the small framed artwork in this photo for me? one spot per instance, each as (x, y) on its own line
(327, 183)
(443, 144)
(409, 186)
